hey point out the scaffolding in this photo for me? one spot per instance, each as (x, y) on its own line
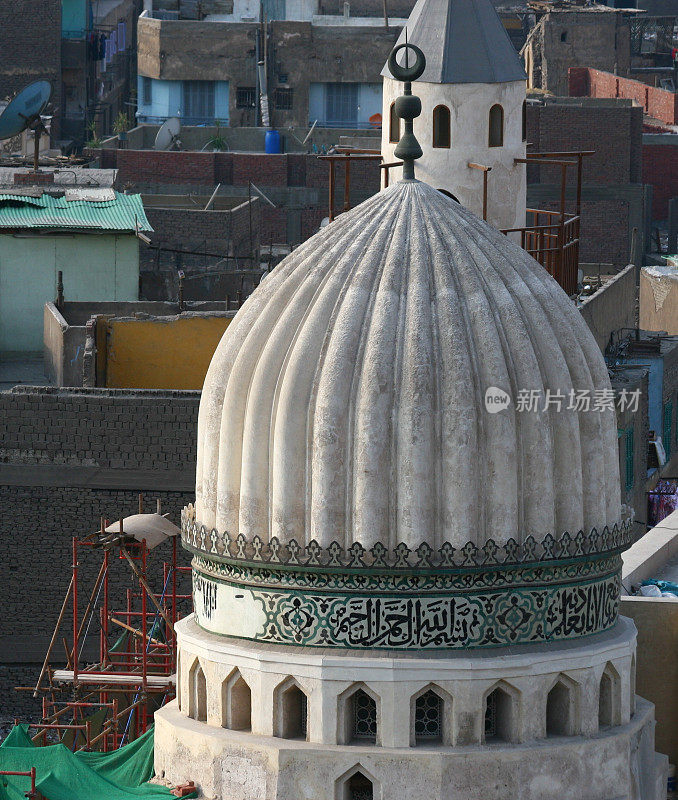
(103, 704)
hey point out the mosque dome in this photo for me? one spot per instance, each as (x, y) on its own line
(349, 402)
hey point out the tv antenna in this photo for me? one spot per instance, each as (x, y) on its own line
(167, 137)
(23, 112)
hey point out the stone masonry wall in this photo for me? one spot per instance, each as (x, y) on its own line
(68, 457)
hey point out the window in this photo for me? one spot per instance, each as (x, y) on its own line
(498, 716)
(563, 36)
(147, 89)
(359, 788)
(441, 126)
(197, 705)
(245, 97)
(198, 101)
(628, 437)
(666, 428)
(283, 99)
(393, 125)
(236, 704)
(428, 712)
(496, 135)
(559, 709)
(292, 711)
(524, 120)
(608, 698)
(364, 728)
(341, 104)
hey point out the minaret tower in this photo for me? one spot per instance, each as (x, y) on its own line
(473, 107)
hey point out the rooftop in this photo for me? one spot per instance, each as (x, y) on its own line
(72, 208)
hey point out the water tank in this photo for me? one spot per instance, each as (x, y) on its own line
(272, 142)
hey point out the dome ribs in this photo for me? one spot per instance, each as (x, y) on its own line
(343, 413)
(334, 414)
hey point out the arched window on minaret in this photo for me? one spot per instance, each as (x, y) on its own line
(524, 120)
(393, 125)
(496, 137)
(441, 126)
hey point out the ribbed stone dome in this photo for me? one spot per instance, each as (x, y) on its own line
(346, 401)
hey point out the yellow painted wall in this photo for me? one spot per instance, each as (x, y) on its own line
(169, 353)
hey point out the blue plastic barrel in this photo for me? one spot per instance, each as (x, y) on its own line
(272, 142)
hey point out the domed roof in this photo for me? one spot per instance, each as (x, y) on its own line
(346, 401)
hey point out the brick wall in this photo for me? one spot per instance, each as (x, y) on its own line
(658, 103)
(30, 46)
(660, 169)
(611, 176)
(224, 233)
(291, 221)
(67, 457)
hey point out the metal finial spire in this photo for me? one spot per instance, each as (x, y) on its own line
(407, 106)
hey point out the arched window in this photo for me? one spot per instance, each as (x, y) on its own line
(236, 703)
(428, 718)
(633, 684)
(499, 716)
(357, 784)
(609, 699)
(364, 718)
(197, 706)
(292, 711)
(441, 126)
(359, 787)
(496, 134)
(393, 125)
(561, 708)
(524, 120)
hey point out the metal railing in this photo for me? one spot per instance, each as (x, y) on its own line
(553, 240)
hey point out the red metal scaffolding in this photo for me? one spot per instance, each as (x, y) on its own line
(106, 703)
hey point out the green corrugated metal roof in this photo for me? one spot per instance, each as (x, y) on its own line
(122, 213)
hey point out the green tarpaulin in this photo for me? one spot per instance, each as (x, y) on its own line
(62, 775)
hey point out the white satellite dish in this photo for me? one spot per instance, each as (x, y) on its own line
(23, 113)
(167, 137)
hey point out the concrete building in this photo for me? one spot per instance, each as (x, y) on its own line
(321, 66)
(89, 235)
(85, 49)
(657, 352)
(366, 622)
(593, 36)
(98, 75)
(473, 107)
(140, 345)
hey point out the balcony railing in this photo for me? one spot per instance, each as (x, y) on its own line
(553, 240)
(195, 121)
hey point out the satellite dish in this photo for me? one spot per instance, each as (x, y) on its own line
(167, 136)
(23, 112)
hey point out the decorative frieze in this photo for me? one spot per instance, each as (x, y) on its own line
(373, 618)
(218, 546)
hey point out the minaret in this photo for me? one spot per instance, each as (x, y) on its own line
(473, 99)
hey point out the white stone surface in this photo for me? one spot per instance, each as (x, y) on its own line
(527, 673)
(345, 402)
(447, 168)
(615, 763)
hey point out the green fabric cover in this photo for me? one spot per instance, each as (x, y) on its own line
(62, 775)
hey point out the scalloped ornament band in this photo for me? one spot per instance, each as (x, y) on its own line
(218, 546)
